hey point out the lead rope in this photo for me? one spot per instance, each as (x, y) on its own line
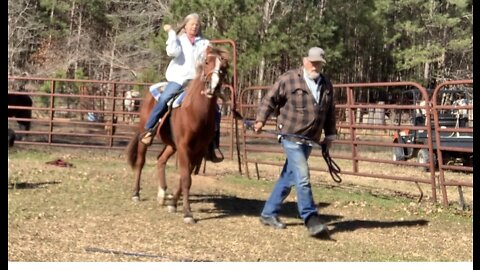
(333, 167)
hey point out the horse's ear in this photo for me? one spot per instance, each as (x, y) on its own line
(209, 49)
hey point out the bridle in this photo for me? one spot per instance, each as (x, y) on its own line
(212, 78)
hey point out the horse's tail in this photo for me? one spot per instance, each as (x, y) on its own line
(132, 149)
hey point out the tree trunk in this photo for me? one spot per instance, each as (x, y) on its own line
(79, 35)
(110, 72)
(70, 28)
(268, 9)
(112, 56)
(426, 69)
(323, 5)
(51, 22)
(444, 44)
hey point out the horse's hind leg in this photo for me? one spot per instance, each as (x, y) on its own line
(167, 152)
(139, 163)
(172, 204)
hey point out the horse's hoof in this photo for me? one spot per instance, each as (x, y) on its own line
(161, 200)
(189, 220)
(171, 209)
(136, 198)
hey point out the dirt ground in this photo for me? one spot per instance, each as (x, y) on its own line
(84, 213)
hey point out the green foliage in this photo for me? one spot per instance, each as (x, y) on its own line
(62, 87)
(430, 33)
(150, 74)
(45, 87)
(366, 40)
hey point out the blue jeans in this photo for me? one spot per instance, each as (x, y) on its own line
(218, 118)
(296, 173)
(160, 108)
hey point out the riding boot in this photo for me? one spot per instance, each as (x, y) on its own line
(147, 137)
(212, 153)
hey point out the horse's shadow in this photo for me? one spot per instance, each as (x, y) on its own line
(227, 206)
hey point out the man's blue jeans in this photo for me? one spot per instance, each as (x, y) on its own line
(296, 173)
(160, 108)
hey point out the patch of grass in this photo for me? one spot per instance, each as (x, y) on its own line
(54, 213)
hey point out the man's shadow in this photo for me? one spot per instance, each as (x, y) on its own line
(227, 206)
(354, 224)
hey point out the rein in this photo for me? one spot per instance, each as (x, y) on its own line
(333, 167)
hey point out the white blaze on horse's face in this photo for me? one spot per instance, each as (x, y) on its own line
(215, 78)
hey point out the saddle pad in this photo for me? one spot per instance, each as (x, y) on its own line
(157, 89)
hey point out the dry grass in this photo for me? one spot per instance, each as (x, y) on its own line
(60, 214)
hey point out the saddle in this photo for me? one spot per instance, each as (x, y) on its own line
(157, 89)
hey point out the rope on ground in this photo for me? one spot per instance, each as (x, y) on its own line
(139, 254)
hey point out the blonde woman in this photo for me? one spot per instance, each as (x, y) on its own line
(186, 46)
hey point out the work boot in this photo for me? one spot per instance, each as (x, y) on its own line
(316, 228)
(273, 221)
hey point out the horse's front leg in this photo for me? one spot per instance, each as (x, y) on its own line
(185, 169)
(167, 152)
(187, 212)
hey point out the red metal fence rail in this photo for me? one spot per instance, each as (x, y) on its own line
(57, 124)
(60, 107)
(355, 137)
(441, 149)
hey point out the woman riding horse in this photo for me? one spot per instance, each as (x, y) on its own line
(188, 131)
(186, 49)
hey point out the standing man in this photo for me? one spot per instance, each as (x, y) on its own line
(304, 99)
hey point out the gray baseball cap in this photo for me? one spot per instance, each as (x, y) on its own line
(316, 54)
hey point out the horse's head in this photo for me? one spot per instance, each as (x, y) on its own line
(214, 69)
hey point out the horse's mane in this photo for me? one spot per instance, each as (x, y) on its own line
(222, 52)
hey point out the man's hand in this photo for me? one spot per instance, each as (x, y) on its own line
(258, 127)
(167, 27)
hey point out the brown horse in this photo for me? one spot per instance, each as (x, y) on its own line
(188, 131)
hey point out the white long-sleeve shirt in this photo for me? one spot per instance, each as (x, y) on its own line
(185, 56)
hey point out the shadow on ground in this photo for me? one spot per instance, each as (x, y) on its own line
(26, 185)
(355, 224)
(227, 206)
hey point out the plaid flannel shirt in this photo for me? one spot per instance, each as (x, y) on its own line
(298, 111)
